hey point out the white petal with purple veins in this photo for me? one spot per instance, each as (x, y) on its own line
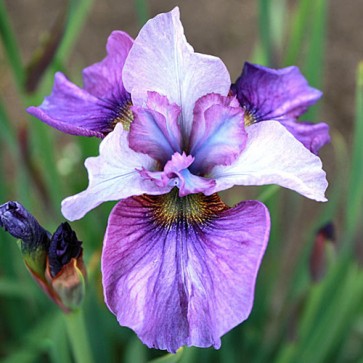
(161, 60)
(112, 176)
(273, 156)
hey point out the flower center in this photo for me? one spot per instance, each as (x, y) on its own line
(124, 116)
(170, 209)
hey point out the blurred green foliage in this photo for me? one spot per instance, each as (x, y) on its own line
(295, 319)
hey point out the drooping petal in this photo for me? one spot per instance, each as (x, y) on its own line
(273, 156)
(94, 110)
(218, 133)
(112, 176)
(312, 136)
(274, 94)
(104, 79)
(182, 271)
(161, 60)
(155, 130)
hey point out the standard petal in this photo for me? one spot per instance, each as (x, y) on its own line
(161, 60)
(155, 130)
(274, 94)
(104, 79)
(312, 136)
(112, 176)
(273, 156)
(182, 271)
(218, 133)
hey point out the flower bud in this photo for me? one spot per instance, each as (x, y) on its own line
(55, 261)
(66, 272)
(34, 239)
(322, 250)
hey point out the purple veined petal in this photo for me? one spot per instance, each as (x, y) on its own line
(72, 110)
(94, 110)
(218, 132)
(274, 94)
(182, 271)
(104, 79)
(161, 60)
(312, 136)
(155, 130)
(273, 156)
(112, 176)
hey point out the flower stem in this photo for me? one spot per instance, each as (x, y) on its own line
(78, 338)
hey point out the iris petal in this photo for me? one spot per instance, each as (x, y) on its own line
(273, 156)
(182, 271)
(218, 134)
(155, 130)
(91, 111)
(274, 94)
(161, 60)
(112, 176)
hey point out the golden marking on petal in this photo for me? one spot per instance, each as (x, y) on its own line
(169, 209)
(125, 116)
(249, 118)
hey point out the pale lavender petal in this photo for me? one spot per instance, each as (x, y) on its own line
(273, 156)
(218, 132)
(112, 176)
(161, 60)
(182, 271)
(104, 79)
(312, 136)
(155, 130)
(176, 174)
(274, 94)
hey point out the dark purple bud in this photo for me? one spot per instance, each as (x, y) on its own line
(64, 246)
(322, 252)
(16, 220)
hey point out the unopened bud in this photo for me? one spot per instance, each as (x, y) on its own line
(322, 251)
(66, 272)
(34, 239)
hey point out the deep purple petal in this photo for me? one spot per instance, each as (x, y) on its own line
(273, 156)
(218, 133)
(182, 271)
(161, 60)
(155, 130)
(112, 175)
(94, 110)
(312, 136)
(274, 94)
(104, 79)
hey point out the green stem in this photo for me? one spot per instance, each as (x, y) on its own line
(78, 338)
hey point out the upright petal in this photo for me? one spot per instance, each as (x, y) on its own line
(104, 79)
(161, 60)
(182, 271)
(274, 94)
(312, 136)
(218, 133)
(273, 156)
(155, 130)
(112, 176)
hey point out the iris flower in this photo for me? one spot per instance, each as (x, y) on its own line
(179, 266)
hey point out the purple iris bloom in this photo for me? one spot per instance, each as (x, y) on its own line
(179, 266)
(280, 95)
(95, 109)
